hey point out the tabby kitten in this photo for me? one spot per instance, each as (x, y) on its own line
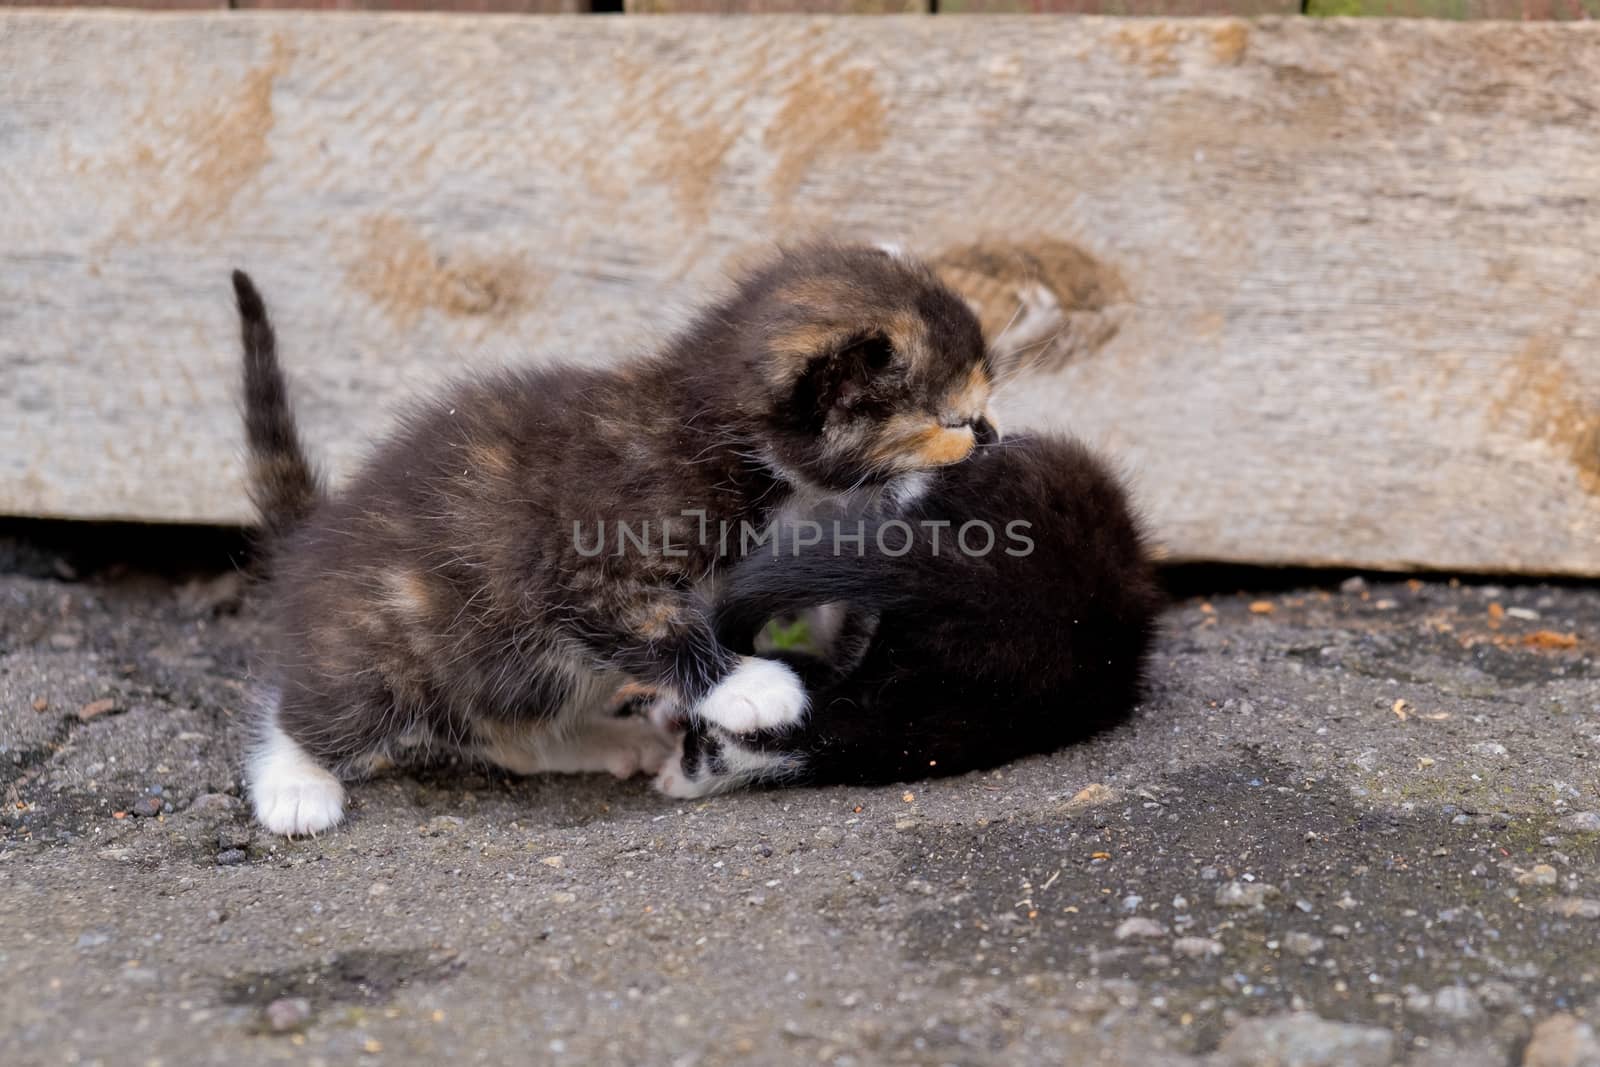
(452, 594)
(978, 657)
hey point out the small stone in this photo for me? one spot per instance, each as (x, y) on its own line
(215, 804)
(1091, 796)
(828, 836)
(440, 825)
(1303, 944)
(1197, 948)
(1496, 994)
(146, 807)
(377, 889)
(1562, 1041)
(1305, 1040)
(93, 938)
(96, 708)
(1581, 822)
(1457, 1003)
(563, 898)
(1488, 748)
(1574, 907)
(556, 862)
(287, 1014)
(1246, 895)
(1139, 929)
(1540, 874)
(231, 857)
(41, 704)
(1353, 586)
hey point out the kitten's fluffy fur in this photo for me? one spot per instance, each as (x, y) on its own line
(443, 597)
(976, 660)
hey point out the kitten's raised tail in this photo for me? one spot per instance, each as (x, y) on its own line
(283, 484)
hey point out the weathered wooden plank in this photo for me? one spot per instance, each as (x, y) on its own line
(776, 7)
(1456, 9)
(1332, 289)
(1141, 8)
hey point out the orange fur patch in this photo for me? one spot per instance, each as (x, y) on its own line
(941, 446)
(654, 622)
(913, 443)
(407, 592)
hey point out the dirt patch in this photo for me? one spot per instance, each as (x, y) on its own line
(343, 978)
(1403, 901)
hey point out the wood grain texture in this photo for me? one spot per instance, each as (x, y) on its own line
(1331, 291)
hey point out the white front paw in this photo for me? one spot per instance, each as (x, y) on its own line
(762, 694)
(298, 804)
(290, 792)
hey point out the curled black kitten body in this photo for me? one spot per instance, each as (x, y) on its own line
(447, 596)
(976, 659)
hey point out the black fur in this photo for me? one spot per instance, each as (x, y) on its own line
(284, 487)
(976, 660)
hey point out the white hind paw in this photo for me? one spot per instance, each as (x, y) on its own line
(762, 694)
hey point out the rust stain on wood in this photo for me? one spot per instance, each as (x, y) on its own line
(194, 164)
(397, 267)
(1547, 394)
(689, 158)
(1229, 42)
(829, 109)
(995, 277)
(1149, 44)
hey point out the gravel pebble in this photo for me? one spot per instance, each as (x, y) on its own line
(1303, 944)
(1302, 1039)
(1457, 1003)
(1539, 874)
(231, 857)
(1583, 822)
(215, 803)
(1246, 895)
(286, 1014)
(1139, 928)
(1353, 586)
(146, 807)
(1197, 947)
(1562, 1041)
(1574, 907)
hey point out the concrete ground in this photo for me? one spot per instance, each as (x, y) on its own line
(1352, 825)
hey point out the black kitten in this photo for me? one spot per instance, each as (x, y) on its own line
(1015, 605)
